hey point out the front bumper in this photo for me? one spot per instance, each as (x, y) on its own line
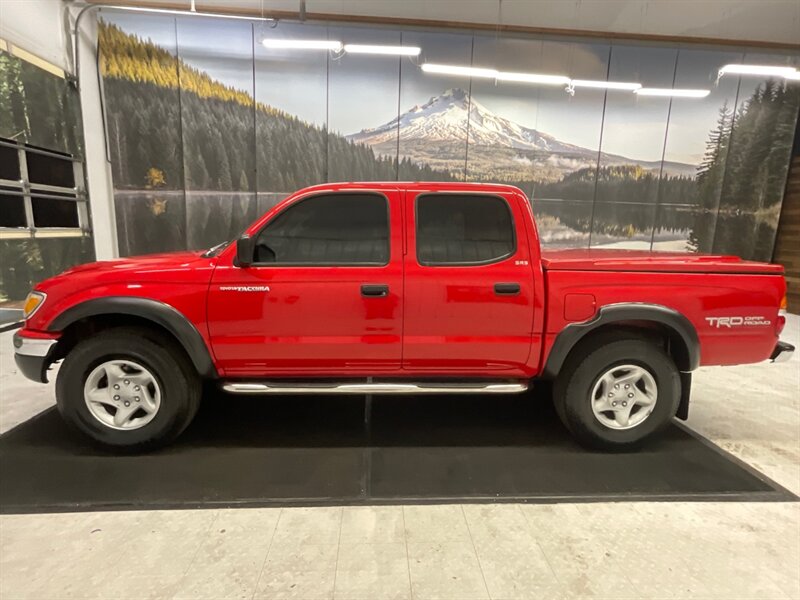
(32, 356)
(782, 352)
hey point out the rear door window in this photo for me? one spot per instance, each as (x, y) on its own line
(463, 229)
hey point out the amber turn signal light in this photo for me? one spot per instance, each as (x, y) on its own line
(32, 303)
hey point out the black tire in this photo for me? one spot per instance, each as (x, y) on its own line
(180, 386)
(576, 380)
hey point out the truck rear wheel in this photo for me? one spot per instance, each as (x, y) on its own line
(128, 388)
(614, 395)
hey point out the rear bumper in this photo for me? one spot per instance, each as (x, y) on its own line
(32, 356)
(782, 352)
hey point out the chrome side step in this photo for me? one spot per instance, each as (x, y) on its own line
(375, 388)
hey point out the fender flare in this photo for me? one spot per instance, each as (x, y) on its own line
(573, 333)
(153, 310)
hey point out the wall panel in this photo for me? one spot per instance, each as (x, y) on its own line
(433, 132)
(363, 91)
(218, 128)
(292, 113)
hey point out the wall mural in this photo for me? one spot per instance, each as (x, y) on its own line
(208, 128)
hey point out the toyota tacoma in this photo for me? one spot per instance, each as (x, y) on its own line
(403, 288)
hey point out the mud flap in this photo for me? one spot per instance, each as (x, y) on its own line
(686, 390)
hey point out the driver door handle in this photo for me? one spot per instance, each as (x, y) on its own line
(506, 289)
(375, 290)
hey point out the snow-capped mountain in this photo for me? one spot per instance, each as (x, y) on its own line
(444, 118)
(434, 133)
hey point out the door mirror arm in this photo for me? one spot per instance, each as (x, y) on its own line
(244, 251)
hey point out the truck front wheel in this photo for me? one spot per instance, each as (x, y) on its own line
(128, 388)
(613, 395)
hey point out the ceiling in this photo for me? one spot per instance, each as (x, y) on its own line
(770, 21)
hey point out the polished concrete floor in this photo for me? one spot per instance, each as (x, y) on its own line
(597, 550)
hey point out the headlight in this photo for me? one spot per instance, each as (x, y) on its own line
(32, 303)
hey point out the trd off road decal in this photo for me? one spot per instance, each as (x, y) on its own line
(729, 322)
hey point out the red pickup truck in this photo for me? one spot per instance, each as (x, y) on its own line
(397, 288)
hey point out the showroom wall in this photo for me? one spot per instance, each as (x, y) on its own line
(787, 246)
(208, 128)
(44, 214)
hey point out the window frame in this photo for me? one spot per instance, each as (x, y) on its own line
(477, 263)
(312, 196)
(29, 191)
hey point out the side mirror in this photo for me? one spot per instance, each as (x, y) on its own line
(244, 251)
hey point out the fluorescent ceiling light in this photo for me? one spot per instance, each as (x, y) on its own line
(676, 93)
(605, 85)
(302, 44)
(794, 76)
(188, 13)
(495, 74)
(533, 78)
(456, 70)
(393, 50)
(774, 70)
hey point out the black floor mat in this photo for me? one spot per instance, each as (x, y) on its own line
(316, 450)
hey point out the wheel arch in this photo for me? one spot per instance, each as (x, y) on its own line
(654, 319)
(116, 311)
